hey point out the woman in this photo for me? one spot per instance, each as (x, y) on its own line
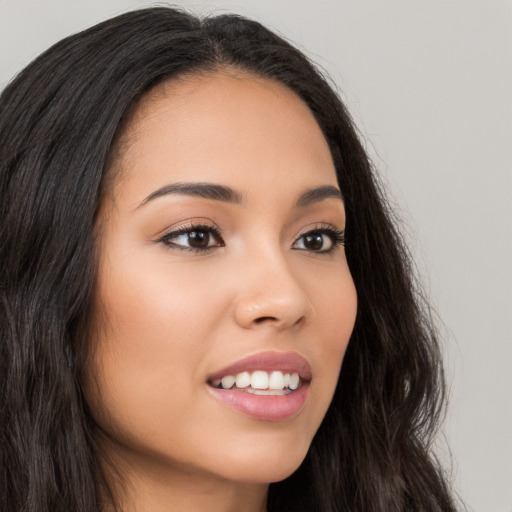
(176, 297)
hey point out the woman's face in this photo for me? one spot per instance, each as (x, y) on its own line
(221, 261)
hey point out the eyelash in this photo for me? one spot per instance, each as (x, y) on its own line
(337, 237)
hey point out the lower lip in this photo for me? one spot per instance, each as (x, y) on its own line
(264, 407)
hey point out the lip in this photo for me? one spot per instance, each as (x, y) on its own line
(289, 362)
(265, 407)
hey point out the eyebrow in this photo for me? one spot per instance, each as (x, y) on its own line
(318, 194)
(205, 190)
(228, 195)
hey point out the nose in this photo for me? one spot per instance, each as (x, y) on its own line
(269, 293)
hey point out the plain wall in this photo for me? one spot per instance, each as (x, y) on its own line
(430, 86)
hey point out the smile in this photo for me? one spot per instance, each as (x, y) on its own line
(259, 382)
(274, 393)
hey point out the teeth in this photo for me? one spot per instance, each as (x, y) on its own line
(276, 380)
(260, 382)
(227, 381)
(294, 381)
(243, 380)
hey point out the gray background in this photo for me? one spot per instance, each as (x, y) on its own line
(429, 84)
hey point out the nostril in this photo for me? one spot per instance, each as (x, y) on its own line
(262, 319)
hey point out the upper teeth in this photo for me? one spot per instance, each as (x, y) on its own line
(259, 380)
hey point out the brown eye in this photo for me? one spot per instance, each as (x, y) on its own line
(193, 238)
(314, 242)
(323, 240)
(198, 239)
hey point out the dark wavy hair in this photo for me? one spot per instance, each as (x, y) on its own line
(59, 122)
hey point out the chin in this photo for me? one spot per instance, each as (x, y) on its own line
(265, 465)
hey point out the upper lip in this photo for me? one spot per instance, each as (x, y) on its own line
(289, 362)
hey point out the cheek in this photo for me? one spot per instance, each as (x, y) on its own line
(156, 310)
(148, 359)
(335, 313)
(334, 301)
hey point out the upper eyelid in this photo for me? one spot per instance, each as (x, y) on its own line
(188, 225)
(319, 226)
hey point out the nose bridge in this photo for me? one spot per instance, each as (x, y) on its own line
(268, 290)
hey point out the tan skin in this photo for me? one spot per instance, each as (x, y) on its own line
(170, 316)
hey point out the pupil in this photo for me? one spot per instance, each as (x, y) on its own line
(314, 242)
(199, 239)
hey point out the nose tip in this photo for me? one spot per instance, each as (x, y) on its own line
(277, 301)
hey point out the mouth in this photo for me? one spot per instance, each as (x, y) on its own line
(260, 382)
(270, 386)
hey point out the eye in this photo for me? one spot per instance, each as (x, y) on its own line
(320, 240)
(195, 238)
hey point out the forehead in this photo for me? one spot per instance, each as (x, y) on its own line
(226, 127)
